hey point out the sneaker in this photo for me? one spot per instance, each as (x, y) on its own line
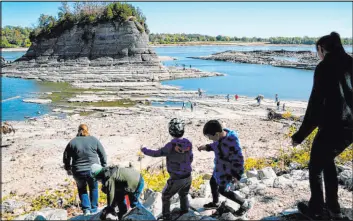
(211, 205)
(111, 217)
(304, 209)
(86, 212)
(248, 204)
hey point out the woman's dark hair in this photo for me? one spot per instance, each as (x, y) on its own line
(212, 127)
(331, 42)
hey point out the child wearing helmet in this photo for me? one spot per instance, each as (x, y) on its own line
(179, 158)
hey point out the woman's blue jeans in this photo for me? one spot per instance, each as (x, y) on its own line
(84, 179)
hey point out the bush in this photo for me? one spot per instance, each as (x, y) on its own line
(89, 13)
(156, 180)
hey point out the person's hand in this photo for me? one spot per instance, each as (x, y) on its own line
(203, 147)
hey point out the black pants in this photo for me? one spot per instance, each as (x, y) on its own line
(216, 190)
(326, 147)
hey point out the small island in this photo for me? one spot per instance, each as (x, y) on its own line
(278, 58)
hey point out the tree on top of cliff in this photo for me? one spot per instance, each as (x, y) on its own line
(84, 13)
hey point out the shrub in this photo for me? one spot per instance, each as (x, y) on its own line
(89, 13)
(156, 180)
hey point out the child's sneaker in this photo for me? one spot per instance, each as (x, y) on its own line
(248, 204)
(211, 205)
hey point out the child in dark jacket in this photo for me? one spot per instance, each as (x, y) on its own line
(179, 158)
(229, 164)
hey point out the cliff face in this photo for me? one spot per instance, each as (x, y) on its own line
(109, 39)
(106, 52)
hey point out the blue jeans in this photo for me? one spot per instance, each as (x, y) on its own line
(133, 198)
(83, 178)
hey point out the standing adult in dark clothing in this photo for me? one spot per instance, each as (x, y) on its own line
(84, 151)
(330, 109)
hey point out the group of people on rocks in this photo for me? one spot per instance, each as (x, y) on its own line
(86, 158)
(330, 108)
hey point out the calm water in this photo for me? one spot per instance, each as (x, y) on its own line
(242, 79)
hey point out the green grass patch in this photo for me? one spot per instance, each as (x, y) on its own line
(62, 91)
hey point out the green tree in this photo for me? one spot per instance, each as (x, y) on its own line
(109, 13)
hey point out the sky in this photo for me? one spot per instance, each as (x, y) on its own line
(260, 19)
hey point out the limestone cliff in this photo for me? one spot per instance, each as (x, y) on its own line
(122, 42)
(107, 51)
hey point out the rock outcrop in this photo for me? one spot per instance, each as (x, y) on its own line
(280, 58)
(107, 51)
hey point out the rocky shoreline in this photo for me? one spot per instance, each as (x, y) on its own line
(277, 58)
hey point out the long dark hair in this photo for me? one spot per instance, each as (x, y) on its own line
(331, 43)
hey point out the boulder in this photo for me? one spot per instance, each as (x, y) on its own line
(252, 181)
(266, 173)
(139, 213)
(268, 182)
(282, 182)
(228, 206)
(153, 203)
(47, 214)
(227, 216)
(9, 206)
(197, 203)
(294, 166)
(342, 168)
(252, 173)
(300, 175)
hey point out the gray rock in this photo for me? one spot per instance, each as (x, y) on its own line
(191, 215)
(252, 181)
(266, 173)
(300, 174)
(197, 203)
(268, 182)
(346, 178)
(139, 213)
(47, 213)
(228, 216)
(9, 206)
(252, 173)
(294, 165)
(228, 206)
(153, 203)
(245, 190)
(342, 168)
(282, 182)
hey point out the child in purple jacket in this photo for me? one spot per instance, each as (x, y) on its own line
(229, 164)
(179, 158)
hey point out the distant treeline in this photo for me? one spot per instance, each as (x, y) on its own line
(176, 38)
(12, 37)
